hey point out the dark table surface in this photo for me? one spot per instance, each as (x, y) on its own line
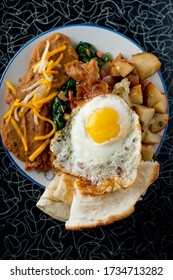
(26, 232)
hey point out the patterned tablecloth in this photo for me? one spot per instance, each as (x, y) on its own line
(26, 232)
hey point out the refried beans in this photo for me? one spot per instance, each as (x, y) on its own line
(10, 137)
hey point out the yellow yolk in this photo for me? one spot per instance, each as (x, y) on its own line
(103, 125)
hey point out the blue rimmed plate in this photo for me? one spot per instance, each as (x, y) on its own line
(104, 39)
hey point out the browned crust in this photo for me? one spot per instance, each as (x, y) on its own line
(109, 185)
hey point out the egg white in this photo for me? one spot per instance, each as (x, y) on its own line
(75, 153)
(85, 149)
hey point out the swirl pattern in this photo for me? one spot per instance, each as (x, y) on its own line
(25, 232)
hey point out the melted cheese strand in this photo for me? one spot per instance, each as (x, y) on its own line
(49, 66)
(40, 90)
(43, 137)
(56, 63)
(47, 99)
(7, 116)
(10, 85)
(16, 114)
(47, 76)
(60, 49)
(36, 119)
(37, 152)
(44, 62)
(32, 86)
(20, 134)
(20, 104)
(45, 83)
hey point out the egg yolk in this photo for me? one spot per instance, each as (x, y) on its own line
(103, 125)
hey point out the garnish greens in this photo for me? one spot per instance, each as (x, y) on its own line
(86, 52)
(60, 107)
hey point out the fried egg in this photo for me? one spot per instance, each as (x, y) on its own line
(101, 140)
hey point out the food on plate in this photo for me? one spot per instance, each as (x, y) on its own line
(95, 121)
(161, 106)
(57, 197)
(88, 210)
(110, 206)
(146, 64)
(159, 122)
(111, 169)
(27, 126)
(101, 141)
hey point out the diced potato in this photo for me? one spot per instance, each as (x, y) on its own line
(146, 64)
(162, 105)
(147, 152)
(119, 57)
(145, 114)
(151, 95)
(136, 94)
(121, 68)
(160, 121)
(133, 78)
(152, 138)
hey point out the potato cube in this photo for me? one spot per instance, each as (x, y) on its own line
(133, 78)
(145, 114)
(152, 138)
(119, 57)
(160, 121)
(162, 105)
(136, 94)
(151, 95)
(147, 152)
(121, 68)
(146, 64)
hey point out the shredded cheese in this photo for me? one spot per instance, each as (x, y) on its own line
(37, 152)
(30, 106)
(50, 64)
(7, 116)
(16, 117)
(11, 86)
(32, 86)
(44, 66)
(43, 63)
(57, 62)
(46, 91)
(40, 89)
(37, 95)
(43, 137)
(19, 132)
(60, 49)
(48, 77)
(51, 72)
(46, 99)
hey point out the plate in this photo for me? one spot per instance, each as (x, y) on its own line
(104, 39)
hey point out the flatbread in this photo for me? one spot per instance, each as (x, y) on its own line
(89, 211)
(57, 197)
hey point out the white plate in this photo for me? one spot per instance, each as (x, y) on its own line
(103, 39)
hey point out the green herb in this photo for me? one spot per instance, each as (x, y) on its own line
(86, 52)
(60, 107)
(160, 123)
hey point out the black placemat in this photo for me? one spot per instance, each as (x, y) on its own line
(27, 233)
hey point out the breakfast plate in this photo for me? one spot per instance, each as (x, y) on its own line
(104, 39)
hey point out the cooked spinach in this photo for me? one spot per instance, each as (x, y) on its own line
(60, 107)
(86, 52)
